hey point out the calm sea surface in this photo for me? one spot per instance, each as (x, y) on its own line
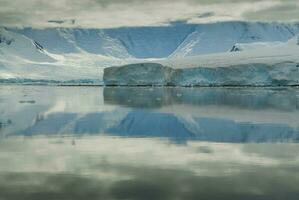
(69, 143)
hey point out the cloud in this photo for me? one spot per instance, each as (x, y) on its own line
(116, 13)
(278, 12)
(102, 167)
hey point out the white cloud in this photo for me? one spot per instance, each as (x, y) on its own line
(116, 13)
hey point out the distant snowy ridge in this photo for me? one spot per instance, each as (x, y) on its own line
(220, 37)
(176, 40)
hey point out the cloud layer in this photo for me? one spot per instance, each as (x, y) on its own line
(116, 13)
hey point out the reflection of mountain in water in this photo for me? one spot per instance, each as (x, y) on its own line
(139, 123)
(146, 97)
(208, 114)
(151, 124)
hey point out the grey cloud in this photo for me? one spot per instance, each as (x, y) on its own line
(72, 21)
(115, 13)
(206, 14)
(284, 12)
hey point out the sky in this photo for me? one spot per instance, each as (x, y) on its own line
(119, 13)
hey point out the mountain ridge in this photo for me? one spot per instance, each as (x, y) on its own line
(160, 42)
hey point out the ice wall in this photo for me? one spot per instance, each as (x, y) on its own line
(253, 74)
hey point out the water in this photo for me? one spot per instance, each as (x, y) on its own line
(148, 143)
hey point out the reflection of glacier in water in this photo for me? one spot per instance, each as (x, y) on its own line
(207, 114)
(243, 98)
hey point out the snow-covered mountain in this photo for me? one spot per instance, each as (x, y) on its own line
(25, 59)
(176, 40)
(137, 42)
(65, 54)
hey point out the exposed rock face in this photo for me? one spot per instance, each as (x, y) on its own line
(152, 74)
(235, 48)
(5, 40)
(38, 46)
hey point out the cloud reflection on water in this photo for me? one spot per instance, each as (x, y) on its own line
(138, 168)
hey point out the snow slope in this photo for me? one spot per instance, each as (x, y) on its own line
(220, 37)
(17, 46)
(63, 41)
(25, 60)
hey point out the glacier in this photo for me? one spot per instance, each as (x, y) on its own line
(272, 64)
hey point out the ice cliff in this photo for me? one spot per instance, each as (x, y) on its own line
(255, 74)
